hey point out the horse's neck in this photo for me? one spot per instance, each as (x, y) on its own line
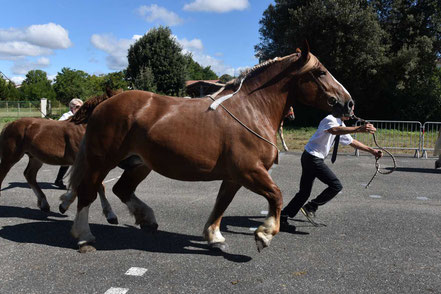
(269, 103)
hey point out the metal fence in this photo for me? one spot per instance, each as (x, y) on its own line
(17, 109)
(430, 131)
(410, 136)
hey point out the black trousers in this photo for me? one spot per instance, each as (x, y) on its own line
(61, 172)
(312, 168)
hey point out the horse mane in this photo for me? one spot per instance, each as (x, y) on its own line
(250, 72)
(82, 115)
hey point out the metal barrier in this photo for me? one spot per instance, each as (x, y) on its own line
(430, 131)
(403, 135)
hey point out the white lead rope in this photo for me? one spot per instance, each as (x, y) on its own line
(217, 102)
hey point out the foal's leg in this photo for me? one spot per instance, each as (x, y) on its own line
(30, 174)
(260, 182)
(438, 162)
(69, 197)
(125, 190)
(107, 209)
(211, 231)
(8, 159)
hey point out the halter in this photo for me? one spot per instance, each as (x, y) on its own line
(332, 101)
(377, 164)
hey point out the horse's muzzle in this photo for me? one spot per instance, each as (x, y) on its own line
(346, 110)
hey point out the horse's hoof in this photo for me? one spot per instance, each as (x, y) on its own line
(260, 245)
(218, 247)
(45, 209)
(149, 228)
(86, 248)
(61, 209)
(113, 221)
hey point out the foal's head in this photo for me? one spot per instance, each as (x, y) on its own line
(317, 87)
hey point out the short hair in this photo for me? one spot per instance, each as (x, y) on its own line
(75, 101)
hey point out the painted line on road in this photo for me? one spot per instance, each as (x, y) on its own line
(422, 198)
(264, 212)
(375, 196)
(136, 271)
(117, 291)
(252, 229)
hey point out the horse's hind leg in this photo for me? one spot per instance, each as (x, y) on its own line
(438, 162)
(260, 182)
(30, 174)
(107, 209)
(7, 162)
(282, 139)
(211, 231)
(125, 190)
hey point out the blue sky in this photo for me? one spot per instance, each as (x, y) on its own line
(94, 35)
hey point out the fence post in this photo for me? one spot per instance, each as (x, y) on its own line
(43, 107)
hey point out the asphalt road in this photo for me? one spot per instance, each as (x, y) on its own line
(384, 239)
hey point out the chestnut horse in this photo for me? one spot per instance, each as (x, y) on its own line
(188, 140)
(47, 141)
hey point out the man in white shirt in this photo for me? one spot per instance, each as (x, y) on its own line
(314, 166)
(74, 105)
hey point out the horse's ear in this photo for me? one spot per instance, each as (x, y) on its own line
(298, 50)
(305, 51)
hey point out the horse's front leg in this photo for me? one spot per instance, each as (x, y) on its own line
(260, 182)
(211, 231)
(438, 162)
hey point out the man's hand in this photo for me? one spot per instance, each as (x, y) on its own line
(378, 154)
(367, 128)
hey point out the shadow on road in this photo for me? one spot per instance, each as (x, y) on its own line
(43, 186)
(56, 233)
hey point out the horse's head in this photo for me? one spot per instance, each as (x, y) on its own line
(317, 87)
(290, 114)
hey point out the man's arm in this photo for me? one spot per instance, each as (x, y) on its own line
(358, 145)
(340, 130)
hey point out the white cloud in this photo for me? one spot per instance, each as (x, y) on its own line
(22, 67)
(116, 49)
(195, 47)
(219, 6)
(157, 13)
(17, 80)
(35, 40)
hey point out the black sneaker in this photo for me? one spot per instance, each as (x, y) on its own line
(60, 184)
(309, 214)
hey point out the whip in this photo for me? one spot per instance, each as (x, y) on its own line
(377, 164)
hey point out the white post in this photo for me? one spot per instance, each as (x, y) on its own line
(43, 107)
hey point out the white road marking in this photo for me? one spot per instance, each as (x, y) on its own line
(422, 198)
(375, 196)
(117, 291)
(110, 180)
(136, 271)
(264, 212)
(252, 229)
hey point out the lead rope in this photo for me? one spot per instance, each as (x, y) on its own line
(245, 126)
(377, 164)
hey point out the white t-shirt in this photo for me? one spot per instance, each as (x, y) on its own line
(66, 115)
(321, 142)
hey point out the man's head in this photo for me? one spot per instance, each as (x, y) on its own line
(75, 104)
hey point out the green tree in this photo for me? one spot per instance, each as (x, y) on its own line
(225, 78)
(157, 51)
(116, 80)
(8, 91)
(36, 86)
(196, 72)
(70, 83)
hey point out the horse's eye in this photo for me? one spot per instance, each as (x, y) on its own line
(321, 73)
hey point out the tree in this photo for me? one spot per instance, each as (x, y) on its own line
(36, 86)
(196, 72)
(115, 81)
(8, 91)
(71, 84)
(225, 78)
(157, 51)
